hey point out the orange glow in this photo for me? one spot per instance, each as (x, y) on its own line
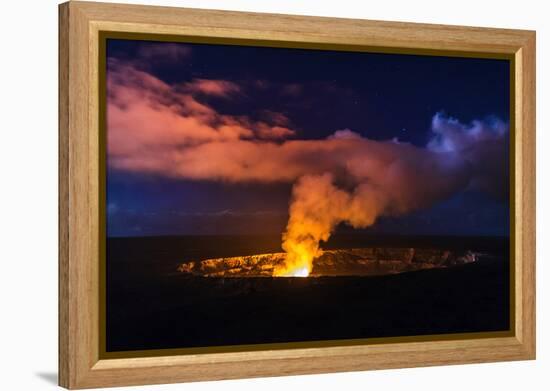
(303, 272)
(299, 272)
(299, 258)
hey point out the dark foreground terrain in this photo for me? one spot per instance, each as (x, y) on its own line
(153, 306)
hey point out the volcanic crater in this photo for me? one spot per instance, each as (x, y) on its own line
(372, 261)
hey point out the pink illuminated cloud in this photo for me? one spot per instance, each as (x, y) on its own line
(211, 87)
(157, 128)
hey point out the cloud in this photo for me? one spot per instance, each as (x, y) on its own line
(160, 129)
(484, 144)
(149, 54)
(450, 135)
(345, 134)
(220, 88)
(149, 121)
(275, 117)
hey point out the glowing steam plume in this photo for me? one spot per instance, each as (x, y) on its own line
(316, 208)
(393, 182)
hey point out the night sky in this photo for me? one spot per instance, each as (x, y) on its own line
(314, 94)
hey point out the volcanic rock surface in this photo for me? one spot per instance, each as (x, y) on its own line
(354, 262)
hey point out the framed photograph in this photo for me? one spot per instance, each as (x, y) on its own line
(247, 195)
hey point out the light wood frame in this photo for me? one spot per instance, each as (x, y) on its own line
(80, 365)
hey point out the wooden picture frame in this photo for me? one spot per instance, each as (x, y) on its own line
(81, 160)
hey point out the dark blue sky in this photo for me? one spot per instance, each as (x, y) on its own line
(380, 96)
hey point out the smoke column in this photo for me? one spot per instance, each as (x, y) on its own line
(456, 158)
